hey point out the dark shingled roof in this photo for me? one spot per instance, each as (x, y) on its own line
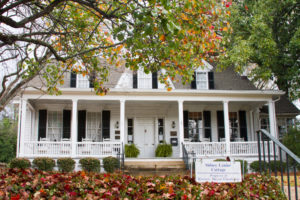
(283, 106)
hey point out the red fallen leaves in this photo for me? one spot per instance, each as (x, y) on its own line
(81, 185)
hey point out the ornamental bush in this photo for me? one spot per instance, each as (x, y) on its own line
(43, 163)
(131, 151)
(21, 163)
(164, 150)
(110, 164)
(90, 164)
(254, 166)
(65, 164)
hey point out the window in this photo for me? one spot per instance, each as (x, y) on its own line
(201, 80)
(144, 80)
(93, 126)
(55, 125)
(161, 135)
(82, 81)
(264, 123)
(195, 126)
(233, 123)
(130, 131)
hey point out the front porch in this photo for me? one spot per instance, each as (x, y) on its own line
(90, 127)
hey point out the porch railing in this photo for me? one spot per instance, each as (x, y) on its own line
(281, 152)
(219, 148)
(64, 148)
(101, 149)
(47, 148)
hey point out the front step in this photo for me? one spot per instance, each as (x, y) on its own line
(155, 167)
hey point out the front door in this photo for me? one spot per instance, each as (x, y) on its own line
(145, 138)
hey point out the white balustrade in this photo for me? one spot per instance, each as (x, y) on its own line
(99, 149)
(206, 148)
(219, 148)
(64, 149)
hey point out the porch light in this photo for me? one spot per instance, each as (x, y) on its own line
(173, 124)
(117, 125)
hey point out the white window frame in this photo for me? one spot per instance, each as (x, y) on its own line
(198, 80)
(144, 80)
(53, 126)
(82, 81)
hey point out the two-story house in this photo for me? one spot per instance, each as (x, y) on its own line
(214, 116)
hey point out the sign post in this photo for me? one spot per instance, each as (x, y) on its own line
(218, 172)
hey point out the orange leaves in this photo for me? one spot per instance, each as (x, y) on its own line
(184, 17)
(162, 38)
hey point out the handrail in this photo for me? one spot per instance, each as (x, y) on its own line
(291, 154)
(185, 156)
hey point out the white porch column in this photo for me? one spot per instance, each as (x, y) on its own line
(252, 133)
(74, 127)
(23, 124)
(272, 119)
(226, 127)
(180, 125)
(122, 120)
(19, 129)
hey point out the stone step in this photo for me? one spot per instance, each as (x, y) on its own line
(154, 165)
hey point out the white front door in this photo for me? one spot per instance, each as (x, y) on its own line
(144, 137)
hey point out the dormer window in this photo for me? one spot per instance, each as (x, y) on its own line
(142, 80)
(80, 81)
(201, 80)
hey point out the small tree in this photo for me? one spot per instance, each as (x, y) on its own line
(8, 139)
(292, 142)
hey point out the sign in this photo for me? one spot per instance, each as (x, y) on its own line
(218, 172)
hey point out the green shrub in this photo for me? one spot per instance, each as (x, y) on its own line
(292, 142)
(21, 163)
(241, 162)
(164, 150)
(254, 166)
(110, 164)
(90, 164)
(131, 151)
(43, 163)
(66, 164)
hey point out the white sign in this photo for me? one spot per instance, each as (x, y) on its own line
(218, 172)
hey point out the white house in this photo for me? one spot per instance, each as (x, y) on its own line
(214, 116)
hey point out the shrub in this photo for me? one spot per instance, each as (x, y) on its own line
(131, 151)
(21, 163)
(90, 164)
(65, 164)
(164, 150)
(292, 142)
(110, 164)
(44, 163)
(254, 166)
(241, 162)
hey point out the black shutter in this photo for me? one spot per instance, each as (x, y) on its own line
(193, 83)
(186, 123)
(91, 83)
(66, 123)
(105, 124)
(135, 79)
(211, 82)
(207, 124)
(243, 125)
(92, 78)
(81, 124)
(73, 80)
(220, 122)
(154, 80)
(42, 124)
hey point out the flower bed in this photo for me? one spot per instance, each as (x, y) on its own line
(33, 184)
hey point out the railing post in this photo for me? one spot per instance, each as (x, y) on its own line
(288, 175)
(259, 150)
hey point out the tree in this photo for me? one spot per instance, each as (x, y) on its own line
(47, 38)
(266, 33)
(8, 139)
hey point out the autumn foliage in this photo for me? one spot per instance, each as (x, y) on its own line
(33, 184)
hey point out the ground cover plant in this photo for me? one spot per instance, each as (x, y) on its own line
(33, 184)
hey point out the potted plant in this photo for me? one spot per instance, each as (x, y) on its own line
(131, 151)
(164, 150)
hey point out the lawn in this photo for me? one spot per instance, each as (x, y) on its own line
(33, 184)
